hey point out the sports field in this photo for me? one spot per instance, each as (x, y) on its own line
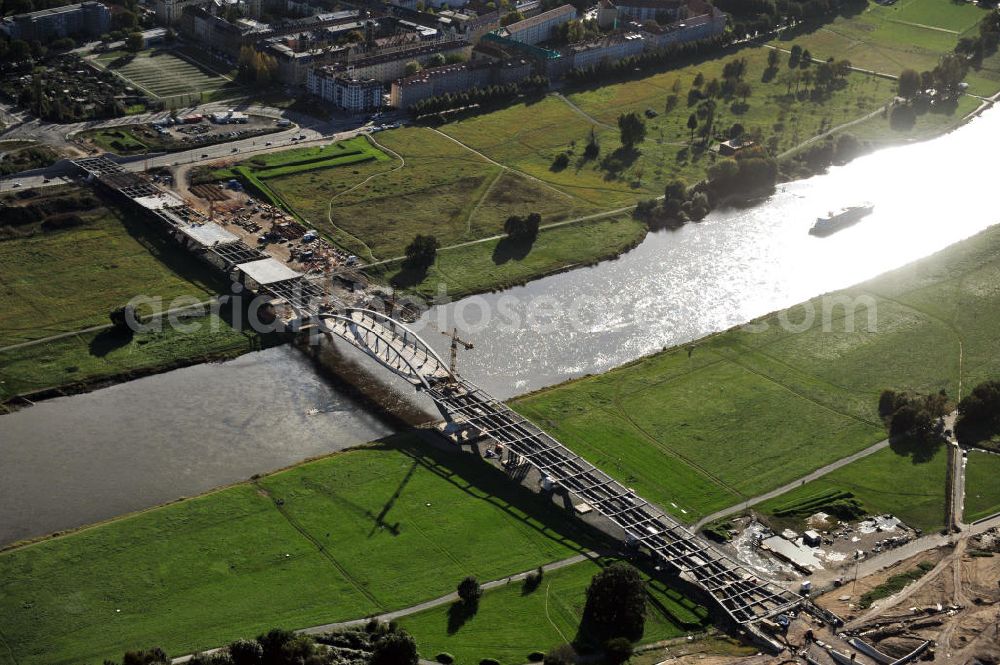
(380, 527)
(165, 72)
(906, 34)
(982, 489)
(749, 412)
(516, 620)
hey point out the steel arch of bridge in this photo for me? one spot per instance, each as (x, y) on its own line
(390, 343)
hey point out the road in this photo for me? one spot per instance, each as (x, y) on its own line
(426, 605)
(315, 130)
(818, 473)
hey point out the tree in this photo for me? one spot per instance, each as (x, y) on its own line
(699, 78)
(593, 148)
(981, 408)
(632, 128)
(421, 253)
(134, 42)
(743, 90)
(511, 17)
(736, 131)
(617, 650)
(396, 647)
(436, 60)
(950, 72)
(18, 51)
(521, 229)
(469, 590)
(412, 67)
(692, 125)
(122, 316)
(807, 59)
(154, 656)
(616, 604)
(909, 83)
(676, 189)
(246, 652)
(772, 59)
(794, 56)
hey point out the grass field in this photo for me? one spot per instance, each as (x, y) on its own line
(93, 356)
(912, 489)
(546, 128)
(907, 34)
(982, 489)
(514, 621)
(750, 411)
(380, 527)
(499, 264)
(166, 72)
(434, 187)
(61, 281)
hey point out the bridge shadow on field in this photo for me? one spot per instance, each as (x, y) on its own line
(479, 479)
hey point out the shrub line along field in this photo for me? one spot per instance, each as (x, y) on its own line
(750, 412)
(376, 528)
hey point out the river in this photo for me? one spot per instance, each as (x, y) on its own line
(75, 460)
(732, 267)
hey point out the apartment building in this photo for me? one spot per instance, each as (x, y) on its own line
(345, 92)
(541, 27)
(89, 19)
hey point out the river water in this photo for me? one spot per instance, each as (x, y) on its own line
(732, 267)
(75, 460)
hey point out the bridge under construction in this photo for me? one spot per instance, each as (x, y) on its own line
(745, 598)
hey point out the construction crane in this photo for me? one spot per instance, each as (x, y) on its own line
(455, 341)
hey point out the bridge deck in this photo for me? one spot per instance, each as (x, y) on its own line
(740, 592)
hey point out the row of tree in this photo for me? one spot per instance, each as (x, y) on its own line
(484, 97)
(753, 17)
(945, 77)
(985, 43)
(374, 644)
(678, 206)
(255, 67)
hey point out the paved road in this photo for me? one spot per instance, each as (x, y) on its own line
(427, 605)
(315, 130)
(818, 473)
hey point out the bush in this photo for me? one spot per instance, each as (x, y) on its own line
(445, 658)
(536, 657)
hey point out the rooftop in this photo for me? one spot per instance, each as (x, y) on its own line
(267, 271)
(553, 14)
(209, 234)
